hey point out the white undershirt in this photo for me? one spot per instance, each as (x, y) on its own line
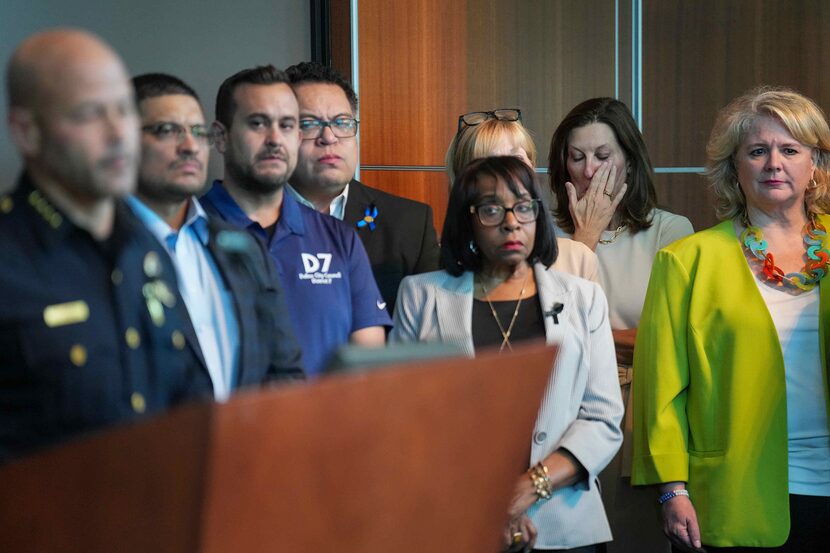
(796, 319)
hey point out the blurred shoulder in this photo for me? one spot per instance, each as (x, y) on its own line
(576, 258)
(556, 280)
(670, 227)
(662, 218)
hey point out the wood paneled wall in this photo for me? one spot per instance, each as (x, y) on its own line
(412, 71)
(699, 55)
(424, 62)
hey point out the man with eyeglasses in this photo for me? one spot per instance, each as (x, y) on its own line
(90, 332)
(331, 293)
(398, 233)
(239, 327)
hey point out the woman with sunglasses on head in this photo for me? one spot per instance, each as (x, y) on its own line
(496, 289)
(501, 133)
(603, 181)
(731, 379)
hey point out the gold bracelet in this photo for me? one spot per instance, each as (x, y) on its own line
(542, 484)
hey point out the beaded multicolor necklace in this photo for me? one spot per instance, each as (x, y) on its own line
(818, 256)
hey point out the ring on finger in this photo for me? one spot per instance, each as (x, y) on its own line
(606, 193)
(518, 537)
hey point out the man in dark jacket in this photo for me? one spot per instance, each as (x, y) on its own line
(237, 321)
(398, 233)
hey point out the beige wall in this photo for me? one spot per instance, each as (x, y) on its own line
(201, 41)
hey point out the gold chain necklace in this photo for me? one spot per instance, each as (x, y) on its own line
(616, 234)
(505, 334)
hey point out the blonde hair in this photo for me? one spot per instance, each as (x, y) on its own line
(478, 141)
(802, 118)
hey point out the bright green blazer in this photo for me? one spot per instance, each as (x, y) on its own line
(709, 393)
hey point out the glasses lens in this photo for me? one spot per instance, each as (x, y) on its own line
(526, 211)
(507, 114)
(202, 134)
(344, 127)
(165, 131)
(475, 118)
(490, 214)
(310, 128)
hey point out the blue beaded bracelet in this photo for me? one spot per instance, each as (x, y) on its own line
(674, 493)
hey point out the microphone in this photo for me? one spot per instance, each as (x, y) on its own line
(554, 312)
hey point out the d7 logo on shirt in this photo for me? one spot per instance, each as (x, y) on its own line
(317, 267)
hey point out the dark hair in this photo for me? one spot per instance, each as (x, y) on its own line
(640, 198)
(313, 72)
(152, 85)
(260, 75)
(456, 255)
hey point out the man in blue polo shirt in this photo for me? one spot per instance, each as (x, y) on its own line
(332, 296)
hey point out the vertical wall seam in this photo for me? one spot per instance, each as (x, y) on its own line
(355, 72)
(637, 62)
(617, 49)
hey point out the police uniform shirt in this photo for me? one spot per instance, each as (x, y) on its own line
(88, 333)
(325, 272)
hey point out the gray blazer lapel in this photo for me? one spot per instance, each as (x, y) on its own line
(454, 308)
(552, 291)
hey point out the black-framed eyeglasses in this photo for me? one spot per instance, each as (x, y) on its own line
(491, 215)
(341, 127)
(478, 117)
(167, 131)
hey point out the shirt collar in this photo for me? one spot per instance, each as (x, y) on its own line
(290, 214)
(337, 207)
(195, 220)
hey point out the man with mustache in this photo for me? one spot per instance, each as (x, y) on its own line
(238, 323)
(398, 233)
(331, 293)
(89, 331)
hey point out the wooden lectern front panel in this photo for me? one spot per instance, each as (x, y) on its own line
(415, 458)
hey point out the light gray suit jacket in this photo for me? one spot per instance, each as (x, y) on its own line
(582, 408)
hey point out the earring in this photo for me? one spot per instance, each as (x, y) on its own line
(473, 247)
(812, 185)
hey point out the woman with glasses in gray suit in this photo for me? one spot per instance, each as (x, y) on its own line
(496, 289)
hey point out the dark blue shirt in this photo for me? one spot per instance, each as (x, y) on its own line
(89, 332)
(326, 275)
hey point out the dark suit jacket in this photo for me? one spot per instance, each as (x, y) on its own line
(403, 242)
(268, 350)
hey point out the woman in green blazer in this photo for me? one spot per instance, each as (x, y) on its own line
(730, 373)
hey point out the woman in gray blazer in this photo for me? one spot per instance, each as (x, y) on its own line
(497, 288)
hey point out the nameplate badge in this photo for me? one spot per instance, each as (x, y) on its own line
(62, 314)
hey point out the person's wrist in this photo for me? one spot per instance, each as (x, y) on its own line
(671, 494)
(588, 238)
(542, 484)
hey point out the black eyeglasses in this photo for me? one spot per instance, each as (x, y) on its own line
(478, 117)
(341, 127)
(167, 131)
(491, 215)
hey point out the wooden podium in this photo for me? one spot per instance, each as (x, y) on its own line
(421, 457)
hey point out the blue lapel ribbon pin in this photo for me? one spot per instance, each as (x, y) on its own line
(369, 217)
